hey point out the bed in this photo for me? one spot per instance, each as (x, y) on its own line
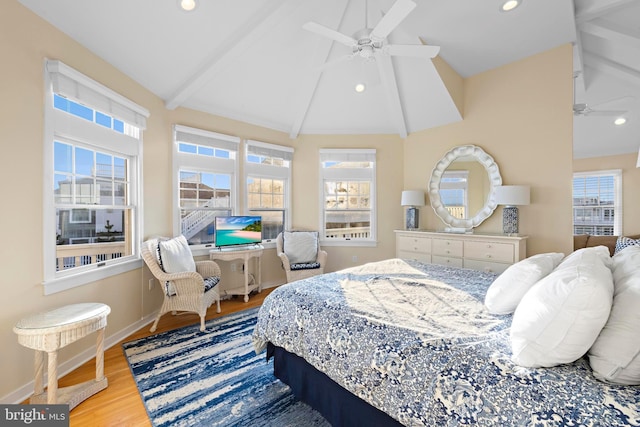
(399, 342)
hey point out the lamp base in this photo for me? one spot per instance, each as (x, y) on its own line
(510, 220)
(412, 218)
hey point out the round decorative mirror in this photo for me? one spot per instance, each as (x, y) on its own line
(462, 187)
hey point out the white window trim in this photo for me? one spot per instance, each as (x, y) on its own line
(53, 281)
(353, 154)
(618, 206)
(269, 172)
(201, 165)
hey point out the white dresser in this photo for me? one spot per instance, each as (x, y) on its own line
(486, 252)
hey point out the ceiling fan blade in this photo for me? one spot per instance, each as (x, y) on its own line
(417, 50)
(393, 18)
(604, 113)
(329, 33)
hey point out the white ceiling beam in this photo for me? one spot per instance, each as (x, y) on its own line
(614, 33)
(591, 9)
(388, 78)
(257, 26)
(316, 66)
(613, 68)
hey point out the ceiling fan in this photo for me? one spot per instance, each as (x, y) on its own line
(367, 43)
(583, 109)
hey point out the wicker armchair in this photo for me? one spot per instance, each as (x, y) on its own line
(300, 271)
(187, 292)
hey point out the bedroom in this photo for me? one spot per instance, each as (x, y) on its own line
(527, 102)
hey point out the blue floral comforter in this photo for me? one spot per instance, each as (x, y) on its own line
(415, 341)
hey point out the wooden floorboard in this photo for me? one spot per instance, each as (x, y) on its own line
(120, 403)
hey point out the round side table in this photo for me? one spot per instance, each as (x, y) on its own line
(50, 331)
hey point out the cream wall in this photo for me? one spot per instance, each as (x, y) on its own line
(630, 185)
(520, 114)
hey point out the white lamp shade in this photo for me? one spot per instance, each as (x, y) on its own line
(638, 162)
(412, 198)
(512, 195)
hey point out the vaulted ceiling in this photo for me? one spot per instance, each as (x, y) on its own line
(252, 60)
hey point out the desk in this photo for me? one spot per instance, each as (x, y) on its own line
(50, 331)
(243, 255)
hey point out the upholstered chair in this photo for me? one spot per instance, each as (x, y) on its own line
(301, 254)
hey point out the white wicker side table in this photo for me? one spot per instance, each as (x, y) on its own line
(50, 331)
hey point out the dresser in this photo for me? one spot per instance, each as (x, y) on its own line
(485, 252)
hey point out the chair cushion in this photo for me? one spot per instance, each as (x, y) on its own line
(175, 256)
(305, 266)
(209, 283)
(505, 293)
(301, 247)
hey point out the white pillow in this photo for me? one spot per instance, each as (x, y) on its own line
(301, 247)
(625, 263)
(560, 317)
(586, 256)
(507, 290)
(615, 356)
(175, 255)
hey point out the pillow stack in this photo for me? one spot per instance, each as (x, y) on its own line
(561, 316)
(615, 356)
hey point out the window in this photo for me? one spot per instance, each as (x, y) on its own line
(268, 172)
(205, 170)
(92, 150)
(597, 203)
(453, 192)
(348, 178)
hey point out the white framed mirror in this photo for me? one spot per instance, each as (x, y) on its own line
(462, 187)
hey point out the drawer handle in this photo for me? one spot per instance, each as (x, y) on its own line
(488, 255)
(488, 245)
(448, 251)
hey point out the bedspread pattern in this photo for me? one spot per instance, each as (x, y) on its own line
(414, 340)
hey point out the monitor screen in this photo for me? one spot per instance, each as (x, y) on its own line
(238, 230)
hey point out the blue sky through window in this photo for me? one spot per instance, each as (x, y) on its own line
(87, 113)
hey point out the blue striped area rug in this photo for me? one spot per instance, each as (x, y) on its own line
(213, 378)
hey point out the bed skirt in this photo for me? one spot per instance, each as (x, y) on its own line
(337, 405)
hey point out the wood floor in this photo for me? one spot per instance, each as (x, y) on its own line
(120, 404)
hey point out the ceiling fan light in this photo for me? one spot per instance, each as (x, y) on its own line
(620, 121)
(360, 87)
(509, 5)
(188, 5)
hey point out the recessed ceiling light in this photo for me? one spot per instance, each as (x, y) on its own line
(360, 87)
(620, 121)
(509, 5)
(188, 5)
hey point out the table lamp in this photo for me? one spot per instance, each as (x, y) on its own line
(412, 199)
(511, 196)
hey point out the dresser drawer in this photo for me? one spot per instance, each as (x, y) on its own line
(486, 266)
(423, 257)
(443, 260)
(413, 244)
(447, 248)
(489, 251)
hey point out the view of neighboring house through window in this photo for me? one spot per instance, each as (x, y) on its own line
(597, 203)
(205, 164)
(92, 155)
(268, 173)
(348, 195)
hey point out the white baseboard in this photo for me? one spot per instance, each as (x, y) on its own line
(24, 392)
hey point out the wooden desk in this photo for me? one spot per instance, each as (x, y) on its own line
(50, 331)
(243, 255)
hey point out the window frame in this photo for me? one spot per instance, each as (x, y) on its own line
(203, 164)
(617, 197)
(263, 171)
(354, 174)
(60, 79)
